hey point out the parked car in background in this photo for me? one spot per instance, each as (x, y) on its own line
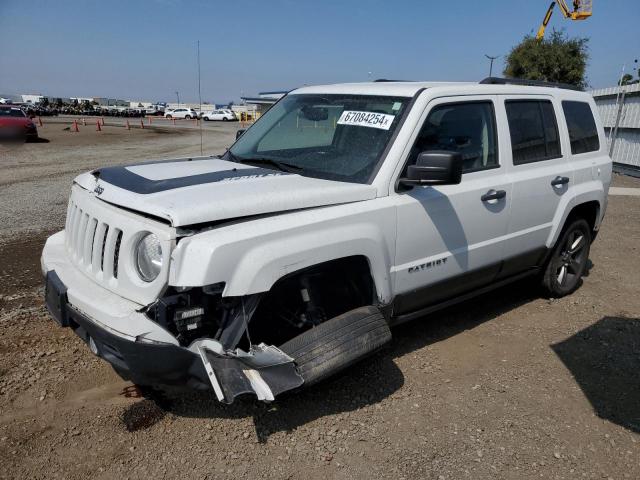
(153, 111)
(220, 115)
(15, 125)
(187, 113)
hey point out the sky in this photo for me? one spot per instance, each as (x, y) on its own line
(146, 49)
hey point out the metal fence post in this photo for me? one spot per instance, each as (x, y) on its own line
(617, 124)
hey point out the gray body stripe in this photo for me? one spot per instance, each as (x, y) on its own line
(123, 178)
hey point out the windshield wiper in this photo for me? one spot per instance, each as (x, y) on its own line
(282, 166)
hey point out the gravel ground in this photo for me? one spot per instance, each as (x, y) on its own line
(36, 177)
(509, 385)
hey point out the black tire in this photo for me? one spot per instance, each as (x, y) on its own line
(187, 117)
(167, 116)
(568, 261)
(338, 343)
(206, 119)
(224, 119)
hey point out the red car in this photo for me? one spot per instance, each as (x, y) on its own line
(15, 125)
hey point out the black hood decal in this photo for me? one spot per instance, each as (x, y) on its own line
(124, 178)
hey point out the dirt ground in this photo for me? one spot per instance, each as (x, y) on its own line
(509, 385)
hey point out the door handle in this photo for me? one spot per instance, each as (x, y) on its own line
(559, 181)
(493, 195)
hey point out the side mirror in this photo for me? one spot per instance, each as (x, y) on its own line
(435, 167)
(240, 132)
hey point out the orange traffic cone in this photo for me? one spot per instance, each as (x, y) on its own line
(75, 126)
(141, 124)
(128, 126)
(98, 127)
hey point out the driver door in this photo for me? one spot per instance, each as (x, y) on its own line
(450, 238)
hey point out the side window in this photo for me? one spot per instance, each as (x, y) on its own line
(467, 128)
(583, 133)
(533, 130)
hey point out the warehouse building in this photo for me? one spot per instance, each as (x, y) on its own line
(264, 100)
(620, 112)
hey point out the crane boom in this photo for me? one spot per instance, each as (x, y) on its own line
(582, 9)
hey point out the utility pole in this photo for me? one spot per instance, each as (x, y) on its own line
(178, 95)
(491, 59)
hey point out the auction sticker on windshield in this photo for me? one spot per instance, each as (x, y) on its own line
(366, 119)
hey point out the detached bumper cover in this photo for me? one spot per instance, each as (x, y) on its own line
(264, 372)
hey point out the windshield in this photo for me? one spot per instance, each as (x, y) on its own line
(335, 137)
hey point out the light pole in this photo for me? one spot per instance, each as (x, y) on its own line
(178, 95)
(491, 59)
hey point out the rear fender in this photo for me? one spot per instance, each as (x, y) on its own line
(580, 194)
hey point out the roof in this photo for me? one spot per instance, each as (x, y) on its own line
(396, 89)
(409, 89)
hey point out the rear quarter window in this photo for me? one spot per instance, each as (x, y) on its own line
(583, 132)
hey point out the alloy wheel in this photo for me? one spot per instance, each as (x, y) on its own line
(571, 259)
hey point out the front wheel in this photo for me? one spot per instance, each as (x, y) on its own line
(167, 116)
(206, 119)
(224, 119)
(564, 270)
(188, 117)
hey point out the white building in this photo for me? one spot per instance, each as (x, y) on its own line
(32, 98)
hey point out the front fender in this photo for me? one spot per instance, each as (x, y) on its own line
(251, 256)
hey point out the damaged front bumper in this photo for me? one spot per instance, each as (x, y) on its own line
(142, 352)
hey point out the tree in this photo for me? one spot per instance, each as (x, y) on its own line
(556, 58)
(627, 79)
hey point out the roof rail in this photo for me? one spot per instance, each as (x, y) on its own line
(378, 80)
(530, 83)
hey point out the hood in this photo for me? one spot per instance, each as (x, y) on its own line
(191, 191)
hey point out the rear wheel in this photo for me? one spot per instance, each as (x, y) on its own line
(188, 117)
(167, 116)
(206, 119)
(224, 119)
(565, 268)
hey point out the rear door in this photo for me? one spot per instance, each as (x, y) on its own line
(450, 237)
(541, 175)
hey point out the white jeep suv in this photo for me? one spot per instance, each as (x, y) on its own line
(346, 209)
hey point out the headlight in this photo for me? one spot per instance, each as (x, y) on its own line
(149, 257)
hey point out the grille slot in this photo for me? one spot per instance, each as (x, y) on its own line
(116, 254)
(104, 246)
